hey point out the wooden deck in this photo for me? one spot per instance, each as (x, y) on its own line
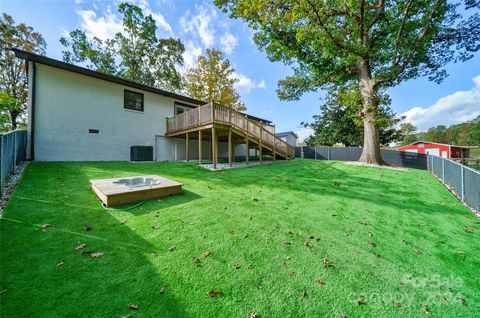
(219, 123)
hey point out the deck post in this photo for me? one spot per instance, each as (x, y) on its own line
(274, 147)
(213, 112)
(187, 148)
(214, 148)
(247, 154)
(200, 147)
(260, 151)
(230, 147)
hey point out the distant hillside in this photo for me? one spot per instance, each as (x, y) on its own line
(464, 134)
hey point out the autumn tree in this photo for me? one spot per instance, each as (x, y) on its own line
(136, 54)
(374, 44)
(13, 76)
(211, 79)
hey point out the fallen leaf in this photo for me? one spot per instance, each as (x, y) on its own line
(370, 234)
(290, 232)
(133, 306)
(45, 226)
(252, 314)
(441, 298)
(250, 266)
(231, 232)
(127, 316)
(416, 251)
(195, 260)
(320, 281)
(426, 311)
(60, 263)
(396, 304)
(311, 237)
(162, 290)
(172, 248)
(214, 293)
(376, 255)
(303, 293)
(467, 229)
(206, 254)
(373, 244)
(79, 247)
(254, 199)
(97, 254)
(337, 184)
(326, 263)
(360, 300)
(307, 244)
(287, 242)
(87, 227)
(237, 266)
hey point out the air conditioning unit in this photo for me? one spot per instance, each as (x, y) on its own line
(141, 153)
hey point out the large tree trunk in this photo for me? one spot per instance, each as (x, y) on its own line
(371, 135)
(13, 118)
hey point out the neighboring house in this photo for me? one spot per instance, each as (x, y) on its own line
(289, 137)
(76, 114)
(437, 149)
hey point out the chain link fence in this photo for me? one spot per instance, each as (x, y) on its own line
(463, 181)
(12, 151)
(393, 157)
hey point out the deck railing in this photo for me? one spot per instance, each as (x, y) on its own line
(215, 113)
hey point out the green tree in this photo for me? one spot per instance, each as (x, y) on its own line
(211, 79)
(474, 135)
(341, 121)
(408, 134)
(373, 44)
(13, 76)
(136, 54)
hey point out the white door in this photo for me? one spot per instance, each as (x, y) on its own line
(164, 149)
(444, 154)
(433, 151)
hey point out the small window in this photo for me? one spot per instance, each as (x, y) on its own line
(182, 108)
(133, 101)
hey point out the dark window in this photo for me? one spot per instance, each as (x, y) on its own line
(93, 131)
(133, 101)
(181, 108)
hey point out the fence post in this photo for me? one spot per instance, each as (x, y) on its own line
(301, 153)
(462, 171)
(443, 170)
(315, 154)
(328, 153)
(1, 165)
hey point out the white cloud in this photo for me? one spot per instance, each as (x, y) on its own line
(228, 42)
(304, 133)
(103, 27)
(245, 84)
(200, 24)
(192, 51)
(158, 17)
(452, 109)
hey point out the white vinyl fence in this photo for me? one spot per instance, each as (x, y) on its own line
(463, 181)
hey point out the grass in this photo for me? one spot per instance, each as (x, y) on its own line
(426, 258)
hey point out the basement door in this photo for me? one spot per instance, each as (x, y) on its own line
(164, 149)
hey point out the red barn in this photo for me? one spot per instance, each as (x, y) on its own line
(433, 148)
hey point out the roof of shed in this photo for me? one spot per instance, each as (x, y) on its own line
(436, 143)
(286, 133)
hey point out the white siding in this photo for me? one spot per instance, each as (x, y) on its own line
(68, 105)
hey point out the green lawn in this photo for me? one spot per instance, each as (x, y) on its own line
(392, 242)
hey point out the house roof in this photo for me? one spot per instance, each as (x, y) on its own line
(110, 78)
(286, 133)
(436, 143)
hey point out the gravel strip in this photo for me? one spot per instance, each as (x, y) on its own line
(11, 184)
(357, 163)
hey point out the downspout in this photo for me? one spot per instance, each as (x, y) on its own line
(32, 124)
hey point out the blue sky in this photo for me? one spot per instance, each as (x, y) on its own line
(199, 24)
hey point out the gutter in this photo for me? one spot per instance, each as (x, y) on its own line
(32, 124)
